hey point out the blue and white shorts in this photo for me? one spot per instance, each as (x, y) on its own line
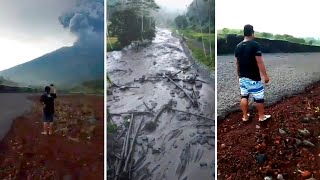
(255, 88)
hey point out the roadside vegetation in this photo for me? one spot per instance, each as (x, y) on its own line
(196, 27)
(285, 37)
(89, 87)
(130, 21)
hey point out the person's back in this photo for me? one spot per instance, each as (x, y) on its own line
(246, 52)
(47, 99)
(249, 64)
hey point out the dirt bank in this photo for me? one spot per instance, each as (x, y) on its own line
(227, 45)
(288, 144)
(74, 151)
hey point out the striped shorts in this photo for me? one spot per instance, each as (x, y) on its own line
(255, 88)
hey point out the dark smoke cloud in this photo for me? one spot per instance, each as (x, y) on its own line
(86, 21)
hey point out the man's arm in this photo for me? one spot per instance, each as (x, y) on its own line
(54, 92)
(237, 69)
(237, 63)
(262, 68)
(42, 100)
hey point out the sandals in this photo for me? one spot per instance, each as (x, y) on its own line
(245, 120)
(46, 133)
(266, 117)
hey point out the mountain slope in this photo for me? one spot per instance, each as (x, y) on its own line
(67, 66)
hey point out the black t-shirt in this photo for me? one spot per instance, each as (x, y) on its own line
(48, 100)
(246, 53)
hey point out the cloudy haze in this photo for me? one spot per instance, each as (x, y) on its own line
(298, 18)
(31, 28)
(174, 5)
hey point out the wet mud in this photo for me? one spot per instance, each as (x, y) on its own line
(160, 84)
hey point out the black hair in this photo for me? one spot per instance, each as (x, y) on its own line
(47, 89)
(248, 30)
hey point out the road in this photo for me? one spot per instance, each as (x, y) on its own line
(12, 105)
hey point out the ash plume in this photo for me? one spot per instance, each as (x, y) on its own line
(86, 21)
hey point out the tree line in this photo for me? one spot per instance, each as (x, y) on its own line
(131, 20)
(285, 37)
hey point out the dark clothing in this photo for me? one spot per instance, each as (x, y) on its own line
(47, 117)
(48, 100)
(246, 53)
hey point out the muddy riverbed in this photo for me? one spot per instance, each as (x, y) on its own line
(182, 145)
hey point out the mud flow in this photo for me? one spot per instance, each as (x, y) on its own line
(166, 104)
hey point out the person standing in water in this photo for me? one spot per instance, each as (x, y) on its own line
(47, 99)
(249, 65)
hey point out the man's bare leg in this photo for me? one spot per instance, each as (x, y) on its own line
(45, 128)
(260, 108)
(50, 127)
(244, 108)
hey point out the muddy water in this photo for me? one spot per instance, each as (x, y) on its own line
(180, 147)
(11, 106)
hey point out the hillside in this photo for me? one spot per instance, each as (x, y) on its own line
(226, 45)
(89, 87)
(7, 82)
(67, 67)
(12, 89)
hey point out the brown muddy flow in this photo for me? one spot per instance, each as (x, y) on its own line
(182, 144)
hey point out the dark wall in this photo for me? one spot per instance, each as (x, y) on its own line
(9, 89)
(227, 45)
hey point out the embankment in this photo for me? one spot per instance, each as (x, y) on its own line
(10, 89)
(226, 45)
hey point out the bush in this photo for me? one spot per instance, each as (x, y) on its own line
(126, 25)
(112, 128)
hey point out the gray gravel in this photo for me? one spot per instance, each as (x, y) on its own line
(12, 105)
(289, 74)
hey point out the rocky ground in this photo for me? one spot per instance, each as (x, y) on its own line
(285, 147)
(74, 151)
(169, 103)
(289, 73)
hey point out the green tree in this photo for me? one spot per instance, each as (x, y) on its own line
(181, 22)
(132, 21)
(266, 35)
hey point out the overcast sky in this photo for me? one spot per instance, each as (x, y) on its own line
(174, 5)
(30, 28)
(294, 17)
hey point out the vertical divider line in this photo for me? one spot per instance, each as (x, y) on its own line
(105, 90)
(215, 90)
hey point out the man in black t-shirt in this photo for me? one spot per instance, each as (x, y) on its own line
(47, 99)
(249, 66)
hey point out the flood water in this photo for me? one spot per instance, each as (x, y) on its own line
(182, 145)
